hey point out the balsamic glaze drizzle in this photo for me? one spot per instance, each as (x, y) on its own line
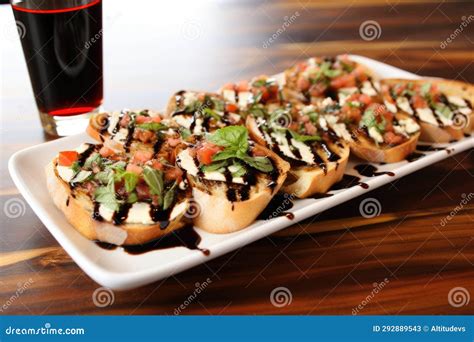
(368, 170)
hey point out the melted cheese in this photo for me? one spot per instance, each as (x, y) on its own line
(404, 104)
(229, 95)
(189, 98)
(426, 115)
(65, 173)
(183, 120)
(458, 101)
(374, 134)
(244, 98)
(344, 93)
(305, 151)
(367, 89)
(113, 122)
(390, 106)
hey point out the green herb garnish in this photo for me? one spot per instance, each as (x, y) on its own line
(153, 126)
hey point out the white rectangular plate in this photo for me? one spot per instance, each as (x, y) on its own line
(119, 270)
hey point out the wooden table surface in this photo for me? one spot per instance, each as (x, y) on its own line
(151, 52)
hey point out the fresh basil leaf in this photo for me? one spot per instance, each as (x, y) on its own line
(443, 110)
(211, 113)
(106, 195)
(94, 159)
(81, 176)
(214, 166)
(304, 138)
(218, 105)
(119, 166)
(237, 169)
(75, 167)
(131, 180)
(132, 197)
(223, 155)
(103, 176)
(154, 179)
(369, 120)
(260, 163)
(169, 196)
(185, 133)
(153, 126)
(232, 137)
(257, 111)
(425, 89)
(260, 83)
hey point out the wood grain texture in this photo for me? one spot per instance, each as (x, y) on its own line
(408, 247)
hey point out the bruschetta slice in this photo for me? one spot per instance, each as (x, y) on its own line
(118, 198)
(381, 136)
(232, 179)
(443, 108)
(200, 112)
(313, 80)
(311, 140)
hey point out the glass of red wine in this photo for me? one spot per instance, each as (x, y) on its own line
(62, 44)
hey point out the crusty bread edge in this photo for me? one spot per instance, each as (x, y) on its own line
(216, 214)
(81, 218)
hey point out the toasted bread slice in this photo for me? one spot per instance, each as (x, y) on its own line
(201, 112)
(315, 165)
(132, 222)
(313, 80)
(224, 202)
(365, 148)
(444, 107)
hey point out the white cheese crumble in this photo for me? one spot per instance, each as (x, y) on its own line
(426, 115)
(404, 104)
(374, 134)
(229, 95)
(65, 172)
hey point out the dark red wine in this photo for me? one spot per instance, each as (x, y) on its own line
(62, 43)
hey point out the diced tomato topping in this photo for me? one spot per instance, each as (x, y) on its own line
(143, 119)
(419, 102)
(206, 152)
(362, 98)
(143, 191)
(231, 108)
(265, 94)
(317, 89)
(392, 138)
(125, 120)
(67, 158)
(173, 142)
(302, 66)
(228, 86)
(142, 156)
(174, 174)
(155, 119)
(310, 128)
(134, 168)
(360, 73)
(242, 86)
(352, 114)
(144, 135)
(303, 83)
(344, 81)
(156, 165)
(106, 152)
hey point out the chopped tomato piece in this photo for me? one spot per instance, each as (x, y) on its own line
(392, 138)
(242, 86)
(67, 158)
(302, 66)
(134, 168)
(155, 119)
(142, 156)
(144, 135)
(310, 128)
(106, 152)
(303, 83)
(157, 165)
(174, 174)
(173, 142)
(344, 81)
(258, 153)
(231, 108)
(143, 191)
(419, 101)
(352, 114)
(206, 152)
(317, 89)
(360, 73)
(143, 119)
(125, 120)
(228, 86)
